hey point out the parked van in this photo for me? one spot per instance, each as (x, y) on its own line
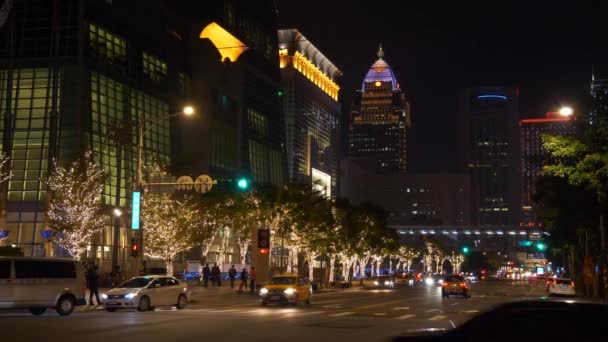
(40, 283)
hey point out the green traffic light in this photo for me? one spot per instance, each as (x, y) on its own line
(465, 250)
(243, 184)
(541, 246)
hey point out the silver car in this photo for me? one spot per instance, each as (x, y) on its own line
(147, 292)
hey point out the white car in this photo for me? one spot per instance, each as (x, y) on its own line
(562, 287)
(145, 293)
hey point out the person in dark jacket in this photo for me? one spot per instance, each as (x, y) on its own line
(92, 280)
(206, 275)
(232, 275)
(216, 273)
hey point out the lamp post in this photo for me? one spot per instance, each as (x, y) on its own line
(116, 214)
(142, 130)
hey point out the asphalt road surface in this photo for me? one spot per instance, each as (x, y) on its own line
(221, 315)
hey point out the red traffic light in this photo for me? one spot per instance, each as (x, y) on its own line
(135, 247)
(263, 250)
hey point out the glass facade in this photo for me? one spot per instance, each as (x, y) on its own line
(154, 67)
(265, 164)
(223, 147)
(106, 44)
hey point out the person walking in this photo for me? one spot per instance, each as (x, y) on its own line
(232, 274)
(215, 272)
(252, 279)
(92, 280)
(206, 274)
(243, 283)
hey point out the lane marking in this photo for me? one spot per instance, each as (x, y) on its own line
(454, 304)
(432, 310)
(452, 323)
(405, 316)
(402, 308)
(220, 311)
(310, 313)
(380, 314)
(437, 318)
(382, 304)
(342, 314)
(471, 311)
(332, 306)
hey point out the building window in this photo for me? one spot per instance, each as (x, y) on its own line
(154, 67)
(31, 104)
(223, 147)
(258, 124)
(265, 164)
(106, 44)
(185, 84)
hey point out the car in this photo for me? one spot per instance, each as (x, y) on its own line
(434, 280)
(384, 282)
(455, 284)
(41, 283)
(561, 287)
(531, 321)
(146, 292)
(286, 289)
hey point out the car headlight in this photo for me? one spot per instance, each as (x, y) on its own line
(428, 281)
(375, 282)
(386, 282)
(131, 295)
(104, 296)
(440, 281)
(289, 291)
(264, 291)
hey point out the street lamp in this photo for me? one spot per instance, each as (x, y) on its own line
(566, 111)
(117, 212)
(187, 111)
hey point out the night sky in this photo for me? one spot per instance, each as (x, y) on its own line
(545, 49)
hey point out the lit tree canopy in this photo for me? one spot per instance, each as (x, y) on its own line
(74, 207)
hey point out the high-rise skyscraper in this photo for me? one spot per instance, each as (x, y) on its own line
(533, 155)
(490, 142)
(380, 116)
(311, 109)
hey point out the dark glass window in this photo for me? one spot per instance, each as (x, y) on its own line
(5, 269)
(44, 269)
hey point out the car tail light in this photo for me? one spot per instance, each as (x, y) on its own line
(463, 284)
(444, 284)
(572, 283)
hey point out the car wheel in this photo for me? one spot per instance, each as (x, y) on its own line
(37, 311)
(144, 304)
(443, 295)
(65, 305)
(181, 302)
(110, 309)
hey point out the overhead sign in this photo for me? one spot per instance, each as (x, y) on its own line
(136, 203)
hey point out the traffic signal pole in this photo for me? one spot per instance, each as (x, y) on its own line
(259, 260)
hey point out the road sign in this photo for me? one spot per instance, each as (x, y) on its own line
(136, 202)
(184, 183)
(203, 184)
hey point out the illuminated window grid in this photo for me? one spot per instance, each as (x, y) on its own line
(107, 106)
(156, 140)
(223, 147)
(31, 104)
(265, 164)
(257, 123)
(154, 67)
(106, 44)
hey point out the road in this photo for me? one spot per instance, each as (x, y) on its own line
(219, 314)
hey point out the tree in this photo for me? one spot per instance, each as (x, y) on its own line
(170, 223)
(75, 207)
(4, 164)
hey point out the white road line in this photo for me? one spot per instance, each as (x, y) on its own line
(333, 306)
(452, 323)
(454, 304)
(432, 310)
(471, 311)
(302, 313)
(380, 314)
(219, 311)
(405, 316)
(437, 318)
(342, 314)
(402, 308)
(326, 301)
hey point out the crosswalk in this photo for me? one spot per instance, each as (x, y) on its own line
(394, 313)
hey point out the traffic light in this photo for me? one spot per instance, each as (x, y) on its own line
(134, 248)
(243, 183)
(541, 246)
(263, 240)
(465, 250)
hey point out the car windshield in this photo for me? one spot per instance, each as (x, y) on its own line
(563, 281)
(454, 279)
(283, 281)
(136, 282)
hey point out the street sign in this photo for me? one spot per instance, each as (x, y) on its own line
(203, 184)
(184, 183)
(136, 202)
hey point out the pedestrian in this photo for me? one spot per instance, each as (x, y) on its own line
(243, 283)
(232, 274)
(215, 272)
(252, 279)
(206, 274)
(92, 279)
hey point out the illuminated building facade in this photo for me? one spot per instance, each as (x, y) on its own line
(490, 142)
(312, 111)
(599, 98)
(533, 155)
(380, 116)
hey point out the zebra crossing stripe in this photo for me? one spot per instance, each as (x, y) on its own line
(405, 316)
(437, 318)
(342, 314)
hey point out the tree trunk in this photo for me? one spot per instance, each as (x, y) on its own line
(169, 263)
(311, 268)
(332, 264)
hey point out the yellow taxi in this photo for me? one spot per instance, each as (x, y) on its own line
(286, 289)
